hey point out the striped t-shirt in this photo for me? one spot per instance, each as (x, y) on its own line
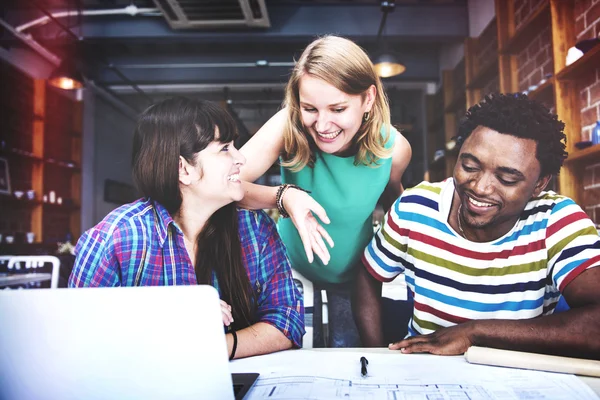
(517, 276)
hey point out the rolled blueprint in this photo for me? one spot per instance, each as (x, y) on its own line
(540, 362)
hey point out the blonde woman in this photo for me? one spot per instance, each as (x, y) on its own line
(335, 141)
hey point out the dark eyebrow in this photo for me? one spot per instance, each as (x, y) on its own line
(469, 156)
(506, 170)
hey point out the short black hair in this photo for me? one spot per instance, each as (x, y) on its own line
(517, 115)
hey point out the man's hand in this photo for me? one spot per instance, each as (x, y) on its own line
(226, 312)
(301, 206)
(449, 341)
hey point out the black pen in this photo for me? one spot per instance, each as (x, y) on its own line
(363, 366)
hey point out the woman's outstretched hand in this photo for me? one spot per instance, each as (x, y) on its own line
(301, 206)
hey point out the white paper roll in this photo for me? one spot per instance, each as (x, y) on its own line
(540, 362)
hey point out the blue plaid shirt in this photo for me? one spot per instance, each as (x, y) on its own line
(139, 244)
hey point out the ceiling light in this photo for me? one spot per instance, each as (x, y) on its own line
(66, 76)
(386, 63)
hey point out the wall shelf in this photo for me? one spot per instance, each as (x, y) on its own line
(589, 60)
(586, 154)
(543, 91)
(528, 29)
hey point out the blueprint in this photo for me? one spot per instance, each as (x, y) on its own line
(308, 374)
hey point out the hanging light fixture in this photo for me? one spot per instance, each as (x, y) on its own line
(386, 63)
(67, 76)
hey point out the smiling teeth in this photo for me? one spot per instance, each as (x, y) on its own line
(478, 203)
(329, 135)
(234, 178)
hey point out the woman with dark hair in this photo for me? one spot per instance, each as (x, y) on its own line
(186, 229)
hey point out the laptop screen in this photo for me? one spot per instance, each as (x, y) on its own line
(100, 343)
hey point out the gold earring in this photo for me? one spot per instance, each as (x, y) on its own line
(366, 116)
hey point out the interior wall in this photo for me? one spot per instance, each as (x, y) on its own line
(112, 133)
(481, 12)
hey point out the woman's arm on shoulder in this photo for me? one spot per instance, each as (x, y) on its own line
(280, 311)
(400, 158)
(264, 147)
(261, 151)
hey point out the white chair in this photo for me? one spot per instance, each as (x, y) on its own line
(34, 262)
(306, 287)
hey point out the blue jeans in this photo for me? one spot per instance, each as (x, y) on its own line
(341, 329)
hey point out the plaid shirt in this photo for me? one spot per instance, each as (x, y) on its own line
(139, 244)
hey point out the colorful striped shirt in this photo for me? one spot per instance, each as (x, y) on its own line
(139, 244)
(517, 276)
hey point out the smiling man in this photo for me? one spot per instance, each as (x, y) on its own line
(488, 253)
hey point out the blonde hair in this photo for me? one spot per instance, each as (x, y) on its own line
(344, 65)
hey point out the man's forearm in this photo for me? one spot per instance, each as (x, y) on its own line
(573, 333)
(260, 338)
(257, 197)
(366, 307)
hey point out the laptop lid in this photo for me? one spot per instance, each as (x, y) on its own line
(113, 343)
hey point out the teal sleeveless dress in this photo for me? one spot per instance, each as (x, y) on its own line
(349, 194)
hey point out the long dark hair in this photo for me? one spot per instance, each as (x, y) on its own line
(183, 127)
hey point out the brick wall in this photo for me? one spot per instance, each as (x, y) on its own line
(591, 192)
(535, 60)
(587, 25)
(487, 47)
(524, 8)
(587, 19)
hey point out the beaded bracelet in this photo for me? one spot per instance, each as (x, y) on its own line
(279, 198)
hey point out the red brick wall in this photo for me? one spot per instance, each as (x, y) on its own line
(591, 192)
(587, 19)
(587, 25)
(524, 8)
(535, 60)
(590, 102)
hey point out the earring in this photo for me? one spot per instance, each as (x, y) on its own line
(366, 116)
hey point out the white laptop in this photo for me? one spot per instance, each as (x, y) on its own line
(114, 343)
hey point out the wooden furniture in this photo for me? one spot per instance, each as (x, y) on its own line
(42, 144)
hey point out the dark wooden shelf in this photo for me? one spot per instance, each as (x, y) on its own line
(544, 91)
(48, 161)
(21, 154)
(583, 155)
(485, 74)
(10, 199)
(63, 165)
(538, 20)
(586, 63)
(62, 207)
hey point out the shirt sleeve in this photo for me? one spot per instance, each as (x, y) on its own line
(383, 257)
(280, 302)
(572, 242)
(96, 262)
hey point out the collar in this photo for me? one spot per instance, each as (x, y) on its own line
(163, 221)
